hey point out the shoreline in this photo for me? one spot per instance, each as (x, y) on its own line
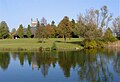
(59, 45)
(115, 44)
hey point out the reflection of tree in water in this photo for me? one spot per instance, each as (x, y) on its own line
(21, 57)
(44, 60)
(94, 68)
(40, 60)
(117, 63)
(14, 55)
(67, 60)
(4, 60)
(90, 65)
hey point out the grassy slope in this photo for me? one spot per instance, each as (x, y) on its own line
(32, 44)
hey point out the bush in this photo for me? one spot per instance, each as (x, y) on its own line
(100, 44)
(90, 44)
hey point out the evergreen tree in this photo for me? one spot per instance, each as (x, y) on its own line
(20, 31)
(4, 30)
(29, 33)
(108, 35)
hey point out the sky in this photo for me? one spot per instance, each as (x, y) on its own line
(16, 12)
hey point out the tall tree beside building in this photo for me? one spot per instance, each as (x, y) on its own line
(29, 33)
(20, 31)
(65, 28)
(4, 30)
(43, 21)
(41, 33)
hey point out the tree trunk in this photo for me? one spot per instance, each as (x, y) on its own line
(64, 38)
(79, 36)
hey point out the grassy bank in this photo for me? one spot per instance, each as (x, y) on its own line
(114, 44)
(33, 44)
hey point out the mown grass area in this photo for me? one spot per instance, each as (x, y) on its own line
(33, 44)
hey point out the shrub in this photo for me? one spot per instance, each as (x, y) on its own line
(100, 44)
(90, 44)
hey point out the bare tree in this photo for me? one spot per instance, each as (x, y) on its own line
(116, 26)
(43, 21)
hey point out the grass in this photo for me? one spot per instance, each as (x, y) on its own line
(33, 44)
(114, 44)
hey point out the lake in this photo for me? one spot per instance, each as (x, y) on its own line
(65, 66)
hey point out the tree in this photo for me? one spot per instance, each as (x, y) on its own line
(65, 28)
(108, 35)
(73, 23)
(38, 24)
(4, 60)
(97, 17)
(41, 33)
(50, 31)
(20, 31)
(103, 17)
(29, 33)
(79, 29)
(54, 27)
(43, 21)
(13, 30)
(52, 23)
(90, 25)
(4, 30)
(116, 26)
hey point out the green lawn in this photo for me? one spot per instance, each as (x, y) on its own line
(33, 44)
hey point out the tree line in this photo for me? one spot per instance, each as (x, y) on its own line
(93, 26)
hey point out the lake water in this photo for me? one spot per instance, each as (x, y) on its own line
(66, 66)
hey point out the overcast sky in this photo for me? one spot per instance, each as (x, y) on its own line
(16, 12)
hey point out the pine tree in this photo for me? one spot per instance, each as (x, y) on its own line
(4, 30)
(20, 31)
(29, 33)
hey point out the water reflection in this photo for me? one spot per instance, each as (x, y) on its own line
(117, 63)
(4, 60)
(89, 65)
